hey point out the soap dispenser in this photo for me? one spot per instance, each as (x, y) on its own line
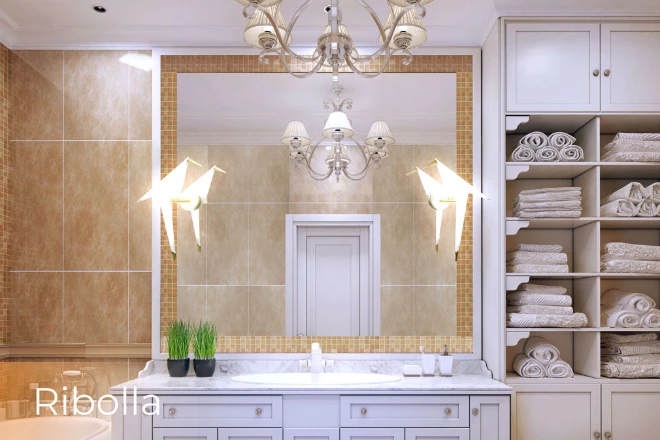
(446, 363)
(317, 359)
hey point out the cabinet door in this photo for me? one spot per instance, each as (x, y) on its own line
(630, 411)
(311, 434)
(631, 64)
(552, 67)
(490, 418)
(185, 434)
(551, 412)
(250, 434)
(437, 434)
(134, 425)
(371, 434)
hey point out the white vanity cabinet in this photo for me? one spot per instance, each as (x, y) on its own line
(630, 411)
(185, 434)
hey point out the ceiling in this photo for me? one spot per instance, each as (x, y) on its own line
(254, 109)
(26, 24)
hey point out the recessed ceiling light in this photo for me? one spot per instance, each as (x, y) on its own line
(100, 9)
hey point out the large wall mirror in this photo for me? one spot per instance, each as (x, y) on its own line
(288, 256)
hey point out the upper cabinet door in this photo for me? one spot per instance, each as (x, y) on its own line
(631, 66)
(553, 67)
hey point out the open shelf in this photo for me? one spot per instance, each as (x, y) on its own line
(514, 379)
(551, 122)
(626, 330)
(629, 222)
(554, 223)
(547, 170)
(553, 329)
(629, 170)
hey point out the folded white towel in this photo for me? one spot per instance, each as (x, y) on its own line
(632, 191)
(646, 208)
(528, 367)
(631, 157)
(539, 247)
(560, 205)
(622, 339)
(561, 139)
(540, 310)
(619, 208)
(546, 154)
(638, 136)
(523, 153)
(538, 299)
(520, 320)
(628, 251)
(547, 214)
(560, 189)
(538, 348)
(558, 369)
(571, 153)
(631, 348)
(651, 319)
(652, 192)
(537, 268)
(631, 146)
(629, 371)
(535, 140)
(524, 257)
(627, 266)
(639, 359)
(618, 317)
(539, 288)
(635, 302)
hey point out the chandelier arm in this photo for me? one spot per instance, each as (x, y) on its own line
(316, 68)
(363, 149)
(295, 17)
(365, 74)
(322, 177)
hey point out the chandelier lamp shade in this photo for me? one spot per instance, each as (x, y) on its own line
(267, 31)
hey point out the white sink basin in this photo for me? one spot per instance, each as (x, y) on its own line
(316, 379)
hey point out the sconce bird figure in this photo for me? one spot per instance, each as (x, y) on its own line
(452, 189)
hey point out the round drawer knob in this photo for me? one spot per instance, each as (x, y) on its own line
(608, 435)
(172, 411)
(448, 411)
(596, 434)
(258, 411)
(475, 411)
(607, 72)
(363, 411)
(596, 72)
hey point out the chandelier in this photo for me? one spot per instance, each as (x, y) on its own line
(266, 30)
(339, 133)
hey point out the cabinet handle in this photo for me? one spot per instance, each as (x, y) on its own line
(172, 411)
(596, 434)
(258, 411)
(607, 72)
(475, 412)
(363, 411)
(596, 72)
(448, 411)
(608, 435)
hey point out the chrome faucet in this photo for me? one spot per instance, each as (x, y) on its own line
(316, 363)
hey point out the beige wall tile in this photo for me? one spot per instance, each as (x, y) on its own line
(96, 91)
(391, 183)
(191, 303)
(267, 311)
(35, 84)
(108, 372)
(228, 244)
(434, 267)
(425, 154)
(96, 308)
(302, 188)
(352, 208)
(139, 172)
(267, 231)
(228, 310)
(191, 261)
(397, 241)
(139, 122)
(198, 153)
(36, 315)
(269, 174)
(36, 214)
(347, 190)
(435, 311)
(311, 208)
(396, 311)
(139, 307)
(96, 205)
(135, 366)
(233, 186)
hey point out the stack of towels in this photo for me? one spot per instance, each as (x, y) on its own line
(541, 359)
(629, 356)
(630, 258)
(564, 202)
(628, 310)
(633, 200)
(538, 147)
(534, 305)
(633, 147)
(537, 258)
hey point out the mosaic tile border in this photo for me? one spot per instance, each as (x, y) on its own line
(172, 65)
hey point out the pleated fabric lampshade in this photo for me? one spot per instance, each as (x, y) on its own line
(409, 23)
(338, 123)
(400, 3)
(264, 3)
(259, 24)
(380, 131)
(295, 131)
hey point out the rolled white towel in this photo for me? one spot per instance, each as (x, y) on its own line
(646, 208)
(535, 140)
(632, 191)
(651, 319)
(627, 251)
(528, 367)
(522, 320)
(619, 208)
(539, 248)
(634, 302)
(538, 299)
(562, 205)
(523, 257)
(540, 310)
(612, 338)
(639, 359)
(631, 348)
(652, 192)
(561, 139)
(618, 317)
(546, 154)
(558, 369)
(628, 266)
(537, 268)
(571, 153)
(523, 153)
(538, 348)
(638, 136)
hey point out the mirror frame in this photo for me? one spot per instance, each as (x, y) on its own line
(168, 63)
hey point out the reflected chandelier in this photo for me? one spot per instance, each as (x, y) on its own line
(338, 129)
(266, 30)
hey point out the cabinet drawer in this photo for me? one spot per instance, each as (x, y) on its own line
(311, 434)
(437, 434)
(405, 411)
(185, 434)
(220, 412)
(250, 434)
(371, 434)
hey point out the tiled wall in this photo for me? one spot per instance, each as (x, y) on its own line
(242, 290)
(4, 212)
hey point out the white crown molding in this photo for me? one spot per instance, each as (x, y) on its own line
(8, 30)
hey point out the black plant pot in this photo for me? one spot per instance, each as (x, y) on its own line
(204, 367)
(178, 367)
